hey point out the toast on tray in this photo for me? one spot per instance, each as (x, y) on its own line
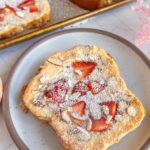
(80, 93)
(16, 16)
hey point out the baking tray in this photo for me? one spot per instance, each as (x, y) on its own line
(63, 13)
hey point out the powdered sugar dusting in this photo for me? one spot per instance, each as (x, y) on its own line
(95, 111)
(96, 104)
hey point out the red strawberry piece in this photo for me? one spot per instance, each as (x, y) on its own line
(58, 92)
(6, 13)
(79, 108)
(96, 87)
(99, 125)
(29, 4)
(85, 67)
(78, 122)
(33, 8)
(112, 107)
(81, 87)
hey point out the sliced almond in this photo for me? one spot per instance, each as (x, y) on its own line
(55, 61)
(78, 72)
(89, 124)
(132, 111)
(65, 116)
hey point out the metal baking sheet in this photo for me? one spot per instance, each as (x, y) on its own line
(63, 14)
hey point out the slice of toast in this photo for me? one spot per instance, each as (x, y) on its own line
(80, 93)
(92, 4)
(20, 15)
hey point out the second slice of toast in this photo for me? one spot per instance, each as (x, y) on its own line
(20, 15)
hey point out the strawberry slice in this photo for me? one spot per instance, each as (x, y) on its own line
(6, 13)
(99, 125)
(112, 107)
(78, 122)
(96, 87)
(30, 4)
(81, 87)
(58, 92)
(79, 108)
(85, 67)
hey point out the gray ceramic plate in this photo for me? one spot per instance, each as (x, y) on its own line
(30, 133)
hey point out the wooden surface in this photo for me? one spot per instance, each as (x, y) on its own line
(121, 21)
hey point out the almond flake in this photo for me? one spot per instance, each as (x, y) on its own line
(55, 61)
(78, 72)
(65, 116)
(131, 111)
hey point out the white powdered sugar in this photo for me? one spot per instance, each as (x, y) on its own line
(95, 111)
(120, 96)
(66, 104)
(103, 96)
(118, 117)
(105, 110)
(74, 96)
(68, 73)
(122, 106)
(83, 135)
(112, 82)
(12, 3)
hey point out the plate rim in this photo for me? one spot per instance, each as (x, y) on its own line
(5, 103)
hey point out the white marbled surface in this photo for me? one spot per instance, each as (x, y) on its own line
(121, 21)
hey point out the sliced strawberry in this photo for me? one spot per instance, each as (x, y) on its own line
(99, 125)
(58, 92)
(30, 4)
(33, 8)
(79, 108)
(96, 87)
(81, 87)
(6, 13)
(85, 67)
(112, 107)
(78, 122)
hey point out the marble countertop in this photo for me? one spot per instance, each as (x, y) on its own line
(122, 21)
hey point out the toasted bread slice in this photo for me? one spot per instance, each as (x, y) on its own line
(21, 15)
(92, 4)
(80, 93)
